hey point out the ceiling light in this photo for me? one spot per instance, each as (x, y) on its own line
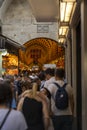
(68, 0)
(4, 52)
(66, 9)
(63, 30)
(61, 40)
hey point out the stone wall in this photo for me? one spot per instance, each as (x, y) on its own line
(4, 4)
(20, 25)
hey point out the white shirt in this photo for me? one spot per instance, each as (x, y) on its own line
(52, 89)
(47, 82)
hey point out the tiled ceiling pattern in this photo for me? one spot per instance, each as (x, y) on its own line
(49, 51)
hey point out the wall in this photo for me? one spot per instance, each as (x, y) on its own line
(0, 64)
(22, 26)
(3, 7)
(84, 62)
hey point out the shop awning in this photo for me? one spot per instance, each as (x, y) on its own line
(10, 45)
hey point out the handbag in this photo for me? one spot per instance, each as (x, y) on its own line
(5, 118)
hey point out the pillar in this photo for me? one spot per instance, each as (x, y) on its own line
(0, 63)
(84, 62)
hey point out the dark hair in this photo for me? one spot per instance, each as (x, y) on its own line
(59, 72)
(42, 75)
(5, 93)
(53, 71)
(7, 81)
(49, 71)
(9, 77)
(15, 75)
(26, 84)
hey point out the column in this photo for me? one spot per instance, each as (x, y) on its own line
(84, 62)
(73, 31)
(0, 63)
(69, 61)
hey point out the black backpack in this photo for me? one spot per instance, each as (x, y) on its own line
(61, 97)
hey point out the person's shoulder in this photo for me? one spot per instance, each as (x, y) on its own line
(69, 86)
(16, 113)
(52, 79)
(46, 83)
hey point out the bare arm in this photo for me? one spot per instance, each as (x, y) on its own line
(19, 107)
(46, 114)
(45, 109)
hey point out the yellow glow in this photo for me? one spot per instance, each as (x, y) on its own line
(68, 0)
(65, 11)
(62, 10)
(61, 40)
(69, 8)
(63, 30)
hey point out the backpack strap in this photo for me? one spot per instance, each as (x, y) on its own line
(58, 86)
(5, 118)
(64, 85)
(48, 92)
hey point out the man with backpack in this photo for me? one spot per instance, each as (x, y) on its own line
(62, 104)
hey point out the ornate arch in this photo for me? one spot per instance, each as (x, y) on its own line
(41, 51)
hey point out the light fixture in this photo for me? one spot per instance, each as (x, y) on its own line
(68, 0)
(63, 30)
(61, 40)
(62, 34)
(4, 52)
(66, 9)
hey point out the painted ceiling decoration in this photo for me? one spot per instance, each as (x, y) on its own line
(41, 51)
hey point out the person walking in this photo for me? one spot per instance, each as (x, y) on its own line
(35, 109)
(62, 116)
(9, 119)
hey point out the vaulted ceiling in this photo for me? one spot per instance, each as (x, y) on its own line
(40, 51)
(44, 10)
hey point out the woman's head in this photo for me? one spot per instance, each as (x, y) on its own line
(32, 93)
(5, 93)
(25, 85)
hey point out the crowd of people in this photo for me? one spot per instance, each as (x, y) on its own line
(27, 102)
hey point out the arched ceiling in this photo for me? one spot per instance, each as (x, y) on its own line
(45, 10)
(41, 51)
